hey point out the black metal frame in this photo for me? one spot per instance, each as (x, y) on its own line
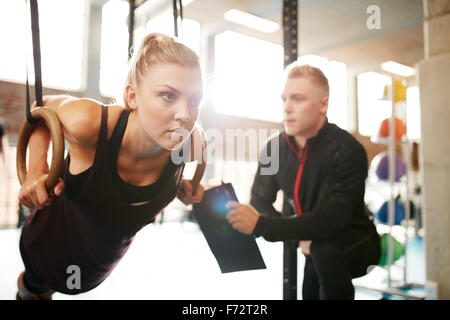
(290, 42)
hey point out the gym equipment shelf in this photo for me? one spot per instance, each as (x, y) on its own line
(400, 288)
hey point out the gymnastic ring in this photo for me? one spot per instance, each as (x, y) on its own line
(52, 122)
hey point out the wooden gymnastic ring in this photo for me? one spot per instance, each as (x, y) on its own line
(52, 122)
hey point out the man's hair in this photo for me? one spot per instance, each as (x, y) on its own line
(294, 70)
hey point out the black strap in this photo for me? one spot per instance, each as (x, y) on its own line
(290, 37)
(177, 12)
(175, 18)
(37, 62)
(180, 4)
(132, 4)
(116, 138)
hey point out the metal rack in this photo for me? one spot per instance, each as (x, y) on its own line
(396, 288)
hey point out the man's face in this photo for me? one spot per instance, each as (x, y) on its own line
(304, 104)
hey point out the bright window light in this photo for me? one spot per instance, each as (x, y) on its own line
(114, 48)
(114, 56)
(61, 25)
(413, 112)
(371, 109)
(398, 69)
(248, 82)
(186, 2)
(188, 35)
(251, 21)
(248, 77)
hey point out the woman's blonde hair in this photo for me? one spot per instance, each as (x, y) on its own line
(156, 48)
(314, 74)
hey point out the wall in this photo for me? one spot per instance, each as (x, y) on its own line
(434, 79)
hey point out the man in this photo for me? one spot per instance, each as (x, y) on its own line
(322, 175)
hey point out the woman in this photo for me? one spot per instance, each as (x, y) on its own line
(118, 174)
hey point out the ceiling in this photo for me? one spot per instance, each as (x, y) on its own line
(335, 29)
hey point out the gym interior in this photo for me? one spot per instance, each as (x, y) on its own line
(384, 59)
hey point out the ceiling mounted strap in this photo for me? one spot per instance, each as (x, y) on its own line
(37, 62)
(177, 13)
(132, 5)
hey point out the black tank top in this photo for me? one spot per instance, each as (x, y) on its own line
(94, 230)
(130, 193)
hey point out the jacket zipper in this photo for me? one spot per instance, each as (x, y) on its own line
(302, 160)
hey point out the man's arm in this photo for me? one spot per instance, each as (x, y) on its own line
(80, 120)
(264, 192)
(342, 190)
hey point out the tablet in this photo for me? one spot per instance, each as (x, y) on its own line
(233, 250)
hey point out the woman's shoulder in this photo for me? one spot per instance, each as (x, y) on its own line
(81, 119)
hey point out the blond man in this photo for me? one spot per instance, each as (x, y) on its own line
(322, 175)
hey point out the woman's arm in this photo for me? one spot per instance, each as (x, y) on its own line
(80, 130)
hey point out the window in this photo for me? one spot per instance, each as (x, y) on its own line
(114, 47)
(188, 35)
(61, 25)
(371, 109)
(413, 112)
(248, 77)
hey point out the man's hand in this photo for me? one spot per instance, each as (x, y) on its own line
(242, 217)
(305, 245)
(185, 192)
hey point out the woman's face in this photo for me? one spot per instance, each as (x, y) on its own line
(167, 102)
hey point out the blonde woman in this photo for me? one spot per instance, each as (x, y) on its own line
(118, 175)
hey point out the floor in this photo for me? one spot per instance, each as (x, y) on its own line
(172, 261)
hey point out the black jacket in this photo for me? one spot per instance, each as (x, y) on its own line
(330, 189)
